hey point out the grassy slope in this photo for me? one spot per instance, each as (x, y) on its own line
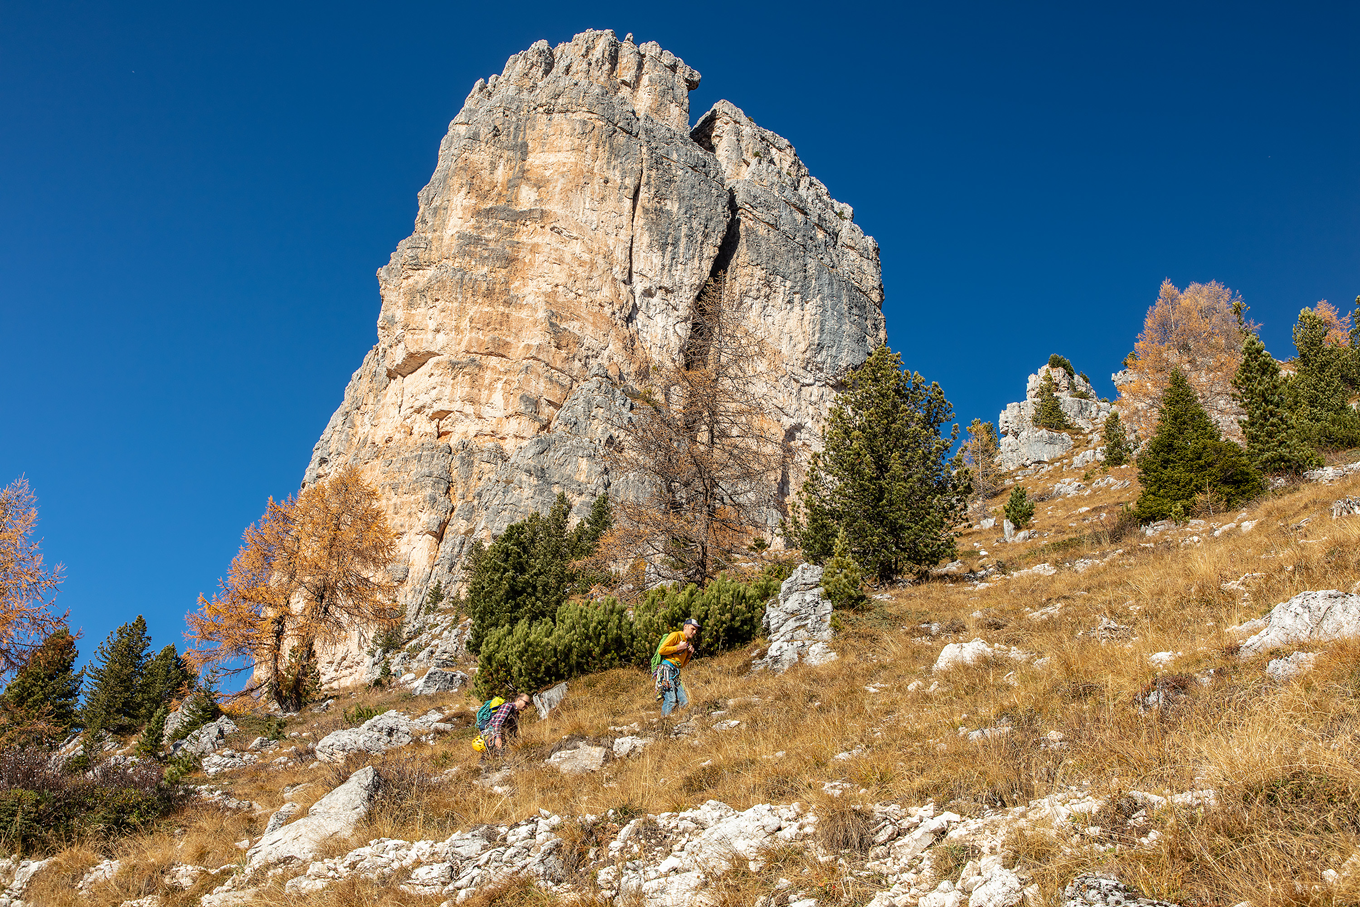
(1282, 757)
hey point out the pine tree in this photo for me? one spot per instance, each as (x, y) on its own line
(885, 476)
(1117, 447)
(979, 453)
(1019, 508)
(153, 735)
(201, 707)
(166, 678)
(114, 702)
(528, 573)
(40, 704)
(843, 580)
(1274, 444)
(1048, 412)
(1326, 377)
(1187, 459)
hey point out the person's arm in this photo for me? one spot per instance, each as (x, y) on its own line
(674, 644)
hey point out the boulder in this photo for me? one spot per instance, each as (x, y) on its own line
(207, 739)
(578, 760)
(440, 680)
(1315, 616)
(550, 699)
(797, 621)
(376, 735)
(957, 654)
(334, 815)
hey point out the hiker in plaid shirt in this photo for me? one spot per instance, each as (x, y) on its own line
(504, 724)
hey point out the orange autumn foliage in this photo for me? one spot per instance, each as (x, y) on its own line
(312, 568)
(26, 585)
(1198, 331)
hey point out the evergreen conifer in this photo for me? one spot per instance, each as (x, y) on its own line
(153, 735)
(1117, 447)
(885, 476)
(1326, 376)
(40, 704)
(1187, 459)
(114, 701)
(1019, 508)
(1274, 444)
(528, 573)
(166, 678)
(1048, 412)
(843, 580)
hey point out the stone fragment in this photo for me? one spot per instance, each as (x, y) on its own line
(1091, 890)
(550, 699)
(628, 746)
(796, 622)
(1315, 616)
(206, 739)
(281, 816)
(183, 876)
(101, 872)
(375, 736)
(1283, 669)
(438, 680)
(578, 760)
(334, 815)
(957, 654)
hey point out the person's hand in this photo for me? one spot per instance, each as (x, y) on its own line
(683, 645)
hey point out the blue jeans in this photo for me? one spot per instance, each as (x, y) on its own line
(674, 698)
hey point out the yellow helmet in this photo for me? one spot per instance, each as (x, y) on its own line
(479, 744)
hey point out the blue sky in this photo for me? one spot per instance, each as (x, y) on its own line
(195, 198)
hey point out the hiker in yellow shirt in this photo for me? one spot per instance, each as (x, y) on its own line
(675, 652)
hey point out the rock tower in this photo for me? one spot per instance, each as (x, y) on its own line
(571, 222)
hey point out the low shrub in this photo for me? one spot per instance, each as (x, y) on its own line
(43, 807)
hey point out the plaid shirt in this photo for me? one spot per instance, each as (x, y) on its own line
(496, 727)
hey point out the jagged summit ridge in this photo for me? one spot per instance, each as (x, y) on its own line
(572, 220)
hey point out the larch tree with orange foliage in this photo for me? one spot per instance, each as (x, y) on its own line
(1199, 331)
(313, 568)
(27, 586)
(703, 447)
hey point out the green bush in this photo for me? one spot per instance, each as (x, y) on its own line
(1062, 362)
(1049, 412)
(585, 637)
(843, 580)
(361, 713)
(1019, 508)
(1117, 447)
(43, 808)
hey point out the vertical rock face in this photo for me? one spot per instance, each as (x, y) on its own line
(571, 222)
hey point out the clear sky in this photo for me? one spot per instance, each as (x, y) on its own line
(194, 199)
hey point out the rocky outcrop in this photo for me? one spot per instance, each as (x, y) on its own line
(797, 623)
(1314, 616)
(571, 222)
(206, 740)
(1023, 443)
(335, 815)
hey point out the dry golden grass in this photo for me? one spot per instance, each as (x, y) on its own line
(1280, 756)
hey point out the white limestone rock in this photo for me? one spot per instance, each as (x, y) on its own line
(1092, 890)
(1282, 669)
(376, 735)
(334, 815)
(439, 680)
(207, 739)
(958, 654)
(549, 699)
(1023, 443)
(578, 760)
(1314, 616)
(797, 622)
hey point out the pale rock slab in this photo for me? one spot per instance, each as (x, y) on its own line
(1023, 443)
(376, 735)
(571, 222)
(334, 815)
(1093, 890)
(1315, 616)
(550, 699)
(797, 623)
(578, 760)
(958, 654)
(207, 739)
(439, 680)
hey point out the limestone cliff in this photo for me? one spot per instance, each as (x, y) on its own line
(571, 221)
(1023, 443)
